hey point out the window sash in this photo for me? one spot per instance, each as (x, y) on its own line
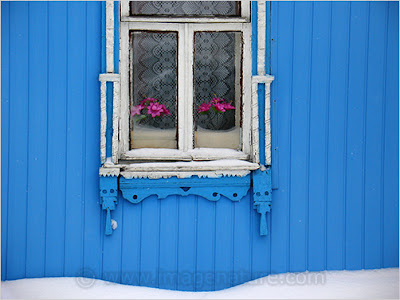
(185, 79)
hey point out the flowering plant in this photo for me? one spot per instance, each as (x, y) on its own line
(149, 106)
(216, 104)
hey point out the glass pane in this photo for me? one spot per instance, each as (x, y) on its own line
(153, 89)
(186, 8)
(217, 89)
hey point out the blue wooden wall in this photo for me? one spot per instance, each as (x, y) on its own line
(335, 156)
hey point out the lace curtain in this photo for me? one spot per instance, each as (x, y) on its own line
(154, 73)
(217, 63)
(186, 8)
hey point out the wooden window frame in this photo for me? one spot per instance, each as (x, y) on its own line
(186, 27)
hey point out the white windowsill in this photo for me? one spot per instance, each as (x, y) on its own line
(181, 169)
(203, 154)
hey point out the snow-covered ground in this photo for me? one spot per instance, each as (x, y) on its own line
(381, 283)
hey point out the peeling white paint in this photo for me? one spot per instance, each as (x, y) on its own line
(103, 117)
(180, 174)
(261, 26)
(104, 78)
(110, 36)
(104, 171)
(267, 79)
(116, 112)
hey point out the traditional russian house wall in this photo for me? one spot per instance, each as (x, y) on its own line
(335, 156)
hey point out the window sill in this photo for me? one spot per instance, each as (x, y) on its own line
(182, 169)
(199, 154)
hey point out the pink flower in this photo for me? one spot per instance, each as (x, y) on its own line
(165, 111)
(217, 100)
(204, 107)
(136, 110)
(220, 107)
(147, 101)
(155, 109)
(228, 106)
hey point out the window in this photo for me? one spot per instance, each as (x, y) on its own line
(185, 104)
(185, 70)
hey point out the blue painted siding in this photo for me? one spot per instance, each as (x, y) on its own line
(334, 64)
(335, 156)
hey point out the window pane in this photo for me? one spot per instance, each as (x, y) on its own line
(217, 89)
(153, 89)
(186, 8)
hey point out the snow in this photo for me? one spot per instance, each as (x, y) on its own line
(380, 283)
(191, 154)
(195, 165)
(150, 152)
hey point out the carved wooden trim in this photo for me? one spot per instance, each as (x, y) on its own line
(106, 172)
(116, 112)
(267, 79)
(184, 174)
(104, 78)
(262, 190)
(254, 122)
(233, 188)
(108, 199)
(268, 120)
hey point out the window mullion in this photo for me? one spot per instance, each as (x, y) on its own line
(181, 88)
(185, 86)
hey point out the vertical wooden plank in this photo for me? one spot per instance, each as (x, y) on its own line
(282, 60)
(167, 269)
(223, 243)
(187, 243)
(19, 108)
(205, 245)
(391, 154)
(37, 132)
(374, 127)
(57, 139)
(355, 135)
(272, 28)
(5, 129)
(92, 221)
(319, 115)
(242, 242)
(337, 144)
(75, 138)
(131, 246)
(149, 241)
(300, 98)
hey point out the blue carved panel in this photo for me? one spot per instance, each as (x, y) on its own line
(233, 188)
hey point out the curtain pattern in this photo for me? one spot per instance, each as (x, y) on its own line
(186, 8)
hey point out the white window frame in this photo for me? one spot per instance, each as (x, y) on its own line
(185, 28)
